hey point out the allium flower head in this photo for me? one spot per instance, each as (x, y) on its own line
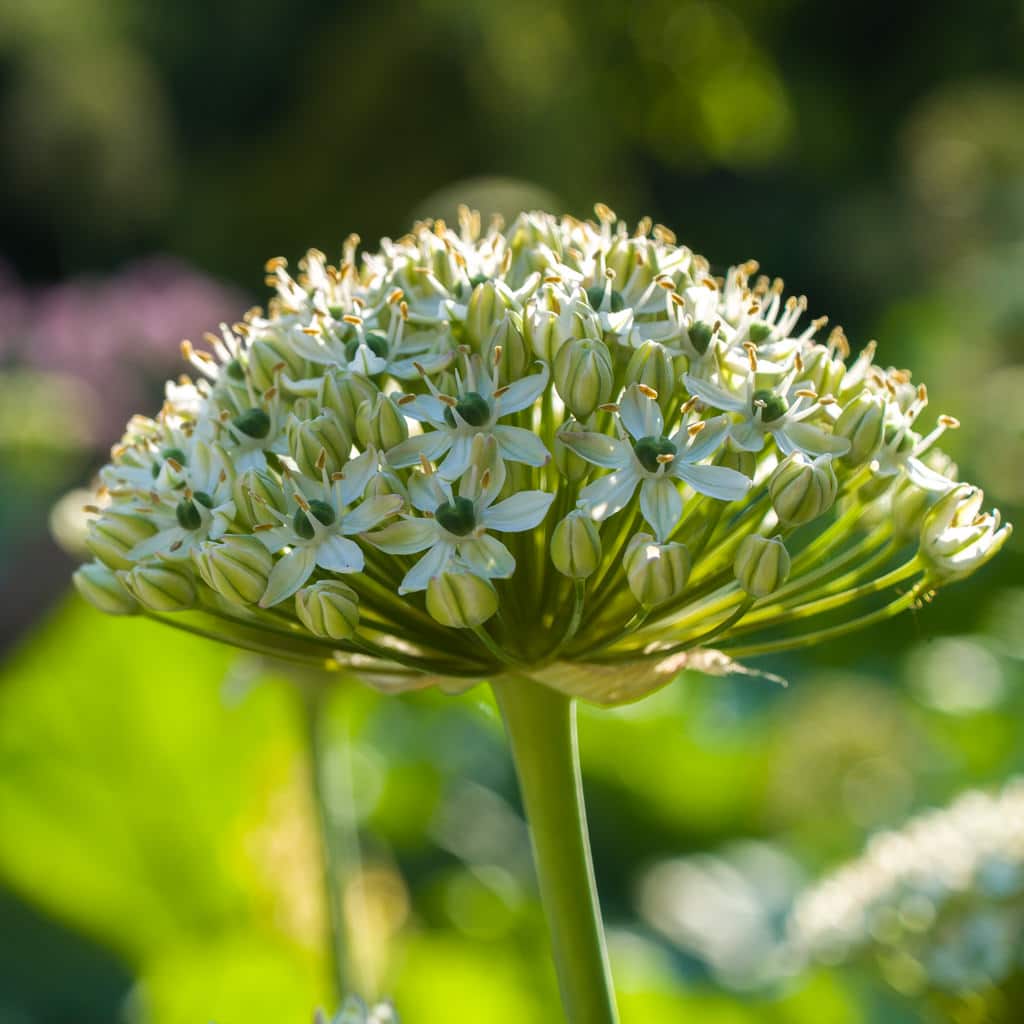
(938, 903)
(562, 449)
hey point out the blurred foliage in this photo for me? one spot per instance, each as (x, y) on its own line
(156, 842)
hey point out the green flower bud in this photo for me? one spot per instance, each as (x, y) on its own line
(655, 572)
(576, 546)
(487, 307)
(573, 467)
(114, 534)
(823, 371)
(761, 565)
(742, 461)
(515, 352)
(343, 393)
(253, 491)
(328, 609)
(862, 423)
(802, 489)
(461, 600)
(237, 568)
(100, 586)
(380, 422)
(269, 357)
(160, 588)
(583, 375)
(651, 364)
(308, 439)
(540, 332)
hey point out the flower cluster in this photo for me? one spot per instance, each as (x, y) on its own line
(571, 441)
(938, 903)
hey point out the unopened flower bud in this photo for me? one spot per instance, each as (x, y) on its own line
(956, 537)
(114, 534)
(651, 364)
(319, 444)
(655, 572)
(343, 393)
(802, 489)
(862, 423)
(761, 565)
(381, 423)
(235, 567)
(100, 586)
(576, 546)
(908, 505)
(823, 371)
(515, 356)
(254, 492)
(328, 609)
(268, 357)
(161, 588)
(572, 466)
(583, 375)
(735, 458)
(487, 307)
(461, 600)
(540, 331)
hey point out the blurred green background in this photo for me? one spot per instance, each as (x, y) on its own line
(158, 861)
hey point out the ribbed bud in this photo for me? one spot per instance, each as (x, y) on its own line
(516, 355)
(237, 568)
(655, 572)
(908, 506)
(253, 493)
(487, 307)
(862, 423)
(114, 534)
(307, 439)
(100, 586)
(762, 565)
(343, 393)
(160, 588)
(576, 546)
(267, 358)
(381, 424)
(651, 364)
(583, 375)
(823, 371)
(802, 489)
(328, 609)
(957, 537)
(540, 331)
(461, 600)
(572, 466)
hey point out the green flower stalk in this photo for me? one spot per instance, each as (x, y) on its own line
(561, 457)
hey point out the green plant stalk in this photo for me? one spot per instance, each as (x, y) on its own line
(541, 728)
(332, 837)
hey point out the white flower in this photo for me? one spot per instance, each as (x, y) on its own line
(455, 533)
(655, 462)
(781, 413)
(957, 537)
(317, 534)
(456, 421)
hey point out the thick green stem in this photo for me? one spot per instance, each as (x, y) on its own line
(332, 830)
(541, 728)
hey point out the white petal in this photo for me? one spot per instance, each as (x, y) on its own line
(600, 449)
(609, 494)
(521, 393)
(713, 395)
(433, 444)
(523, 511)
(746, 436)
(427, 492)
(356, 475)
(367, 515)
(661, 505)
(487, 556)
(288, 575)
(707, 442)
(925, 478)
(458, 458)
(339, 554)
(812, 440)
(406, 537)
(432, 564)
(640, 414)
(426, 409)
(159, 544)
(714, 481)
(366, 362)
(519, 445)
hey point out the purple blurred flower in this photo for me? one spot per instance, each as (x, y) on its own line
(118, 335)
